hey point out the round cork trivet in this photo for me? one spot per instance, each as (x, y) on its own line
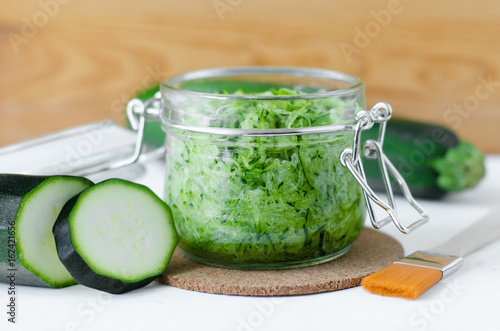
(372, 251)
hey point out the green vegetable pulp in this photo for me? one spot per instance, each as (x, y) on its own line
(242, 201)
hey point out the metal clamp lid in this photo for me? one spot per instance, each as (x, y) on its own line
(372, 149)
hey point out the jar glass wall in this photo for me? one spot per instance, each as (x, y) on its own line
(248, 189)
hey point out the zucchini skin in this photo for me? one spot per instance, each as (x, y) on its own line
(13, 188)
(412, 147)
(77, 267)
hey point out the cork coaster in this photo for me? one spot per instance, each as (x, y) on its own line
(372, 251)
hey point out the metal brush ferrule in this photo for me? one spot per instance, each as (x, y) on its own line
(446, 263)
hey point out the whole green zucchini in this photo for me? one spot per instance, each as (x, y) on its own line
(431, 158)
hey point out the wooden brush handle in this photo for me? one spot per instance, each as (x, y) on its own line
(474, 236)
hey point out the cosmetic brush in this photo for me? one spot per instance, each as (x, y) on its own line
(415, 273)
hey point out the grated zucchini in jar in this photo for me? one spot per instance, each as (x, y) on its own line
(264, 200)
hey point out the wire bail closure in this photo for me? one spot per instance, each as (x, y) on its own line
(350, 158)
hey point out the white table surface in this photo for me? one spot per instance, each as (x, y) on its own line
(467, 300)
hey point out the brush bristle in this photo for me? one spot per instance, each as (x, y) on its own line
(401, 280)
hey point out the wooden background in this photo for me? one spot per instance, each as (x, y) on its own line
(70, 62)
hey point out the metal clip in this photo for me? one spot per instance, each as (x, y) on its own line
(372, 149)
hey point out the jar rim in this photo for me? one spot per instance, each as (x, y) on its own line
(172, 84)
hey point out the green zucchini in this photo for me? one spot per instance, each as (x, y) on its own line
(115, 236)
(29, 207)
(431, 158)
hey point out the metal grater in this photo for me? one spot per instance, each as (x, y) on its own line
(97, 150)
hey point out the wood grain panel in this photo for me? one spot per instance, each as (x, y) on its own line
(428, 59)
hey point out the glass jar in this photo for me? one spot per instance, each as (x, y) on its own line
(248, 186)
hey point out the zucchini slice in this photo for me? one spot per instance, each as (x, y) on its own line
(115, 236)
(29, 207)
